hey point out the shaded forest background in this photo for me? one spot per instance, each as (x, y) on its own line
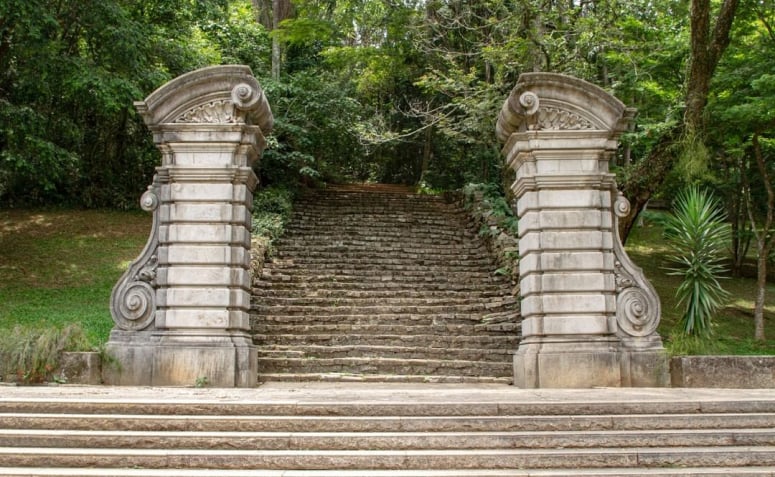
(402, 91)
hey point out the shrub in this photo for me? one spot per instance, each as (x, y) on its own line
(697, 237)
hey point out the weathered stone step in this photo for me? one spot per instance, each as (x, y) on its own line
(379, 276)
(348, 293)
(394, 352)
(393, 459)
(417, 261)
(280, 315)
(383, 365)
(360, 286)
(336, 337)
(475, 303)
(606, 472)
(344, 423)
(400, 309)
(242, 440)
(364, 330)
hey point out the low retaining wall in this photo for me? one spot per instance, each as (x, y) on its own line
(723, 372)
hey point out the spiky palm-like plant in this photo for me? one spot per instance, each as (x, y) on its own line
(698, 237)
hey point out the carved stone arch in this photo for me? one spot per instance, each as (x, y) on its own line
(560, 102)
(231, 88)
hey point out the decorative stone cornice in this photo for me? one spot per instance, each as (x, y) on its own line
(552, 102)
(227, 94)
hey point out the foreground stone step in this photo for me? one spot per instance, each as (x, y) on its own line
(190, 440)
(392, 459)
(611, 472)
(386, 423)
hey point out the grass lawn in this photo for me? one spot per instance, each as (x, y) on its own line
(733, 326)
(58, 267)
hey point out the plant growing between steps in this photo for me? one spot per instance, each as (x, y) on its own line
(272, 209)
(497, 225)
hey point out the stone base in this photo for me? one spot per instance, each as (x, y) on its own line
(586, 364)
(180, 359)
(645, 368)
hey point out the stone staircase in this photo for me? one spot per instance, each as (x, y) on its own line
(343, 430)
(376, 283)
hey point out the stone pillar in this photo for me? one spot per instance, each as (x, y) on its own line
(589, 315)
(181, 309)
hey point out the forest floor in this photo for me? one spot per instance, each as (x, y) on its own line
(58, 267)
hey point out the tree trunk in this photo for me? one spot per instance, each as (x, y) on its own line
(707, 46)
(761, 288)
(276, 53)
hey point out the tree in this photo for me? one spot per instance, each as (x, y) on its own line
(708, 40)
(746, 92)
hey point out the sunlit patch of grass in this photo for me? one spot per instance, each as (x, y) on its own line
(58, 267)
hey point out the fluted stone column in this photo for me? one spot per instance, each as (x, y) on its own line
(589, 315)
(181, 309)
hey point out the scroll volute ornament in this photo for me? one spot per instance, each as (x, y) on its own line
(216, 95)
(549, 101)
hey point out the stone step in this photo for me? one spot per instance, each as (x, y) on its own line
(282, 316)
(247, 440)
(375, 294)
(383, 365)
(390, 459)
(436, 314)
(340, 338)
(758, 471)
(342, 423)
(492, 302)
(379, 276)
(394, 352)
(380, 286)
(400, 261)
(363, 331)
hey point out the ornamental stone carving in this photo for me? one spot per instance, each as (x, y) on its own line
(589, 315)
(181, 310)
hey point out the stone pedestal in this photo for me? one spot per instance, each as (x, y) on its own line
(589, 315)
(181, 309)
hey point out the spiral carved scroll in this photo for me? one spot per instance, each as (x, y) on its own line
(638, 310)
(635, 312)
(133, 301)
(135, 306)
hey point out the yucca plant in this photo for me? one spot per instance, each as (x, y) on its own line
(698, 236)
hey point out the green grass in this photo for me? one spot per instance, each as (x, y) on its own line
(58, 267)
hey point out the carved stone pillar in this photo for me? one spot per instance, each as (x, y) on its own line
(181, 309)
(589, 314)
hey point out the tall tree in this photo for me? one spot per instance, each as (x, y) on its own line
(708, 40)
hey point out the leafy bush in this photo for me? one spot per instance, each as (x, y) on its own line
(697, 237)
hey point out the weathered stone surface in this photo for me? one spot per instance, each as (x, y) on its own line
(586, 307)
(187, 296)
(376, 284)
(80, 367)
(723, 371)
